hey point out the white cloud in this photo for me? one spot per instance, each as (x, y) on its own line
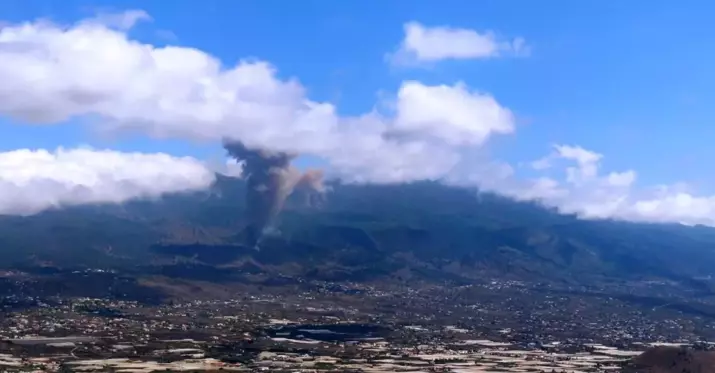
(586, 162)
(52, 73)
(450, 113)
(431, 44)
(35, 180)
(586, 191)
(232, 168)
(122, 20)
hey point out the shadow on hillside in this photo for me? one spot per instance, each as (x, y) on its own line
(72, 283)
(673, 360)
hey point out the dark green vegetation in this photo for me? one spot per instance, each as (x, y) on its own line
(421, 231)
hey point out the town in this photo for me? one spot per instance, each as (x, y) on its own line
(498, 326)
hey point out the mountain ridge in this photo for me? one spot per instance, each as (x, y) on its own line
(420, 230)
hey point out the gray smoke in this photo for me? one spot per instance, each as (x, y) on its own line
(270, 180)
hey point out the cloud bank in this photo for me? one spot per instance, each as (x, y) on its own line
(35, 180)
(53, 73)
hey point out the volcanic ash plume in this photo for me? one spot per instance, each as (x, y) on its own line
(271, 179)
(311, 186)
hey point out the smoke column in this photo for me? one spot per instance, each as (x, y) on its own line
(311, 184)
(270, 180)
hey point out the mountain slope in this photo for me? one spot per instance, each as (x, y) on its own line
(420, 230)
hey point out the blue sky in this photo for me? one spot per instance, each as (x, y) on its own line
(632, 80)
